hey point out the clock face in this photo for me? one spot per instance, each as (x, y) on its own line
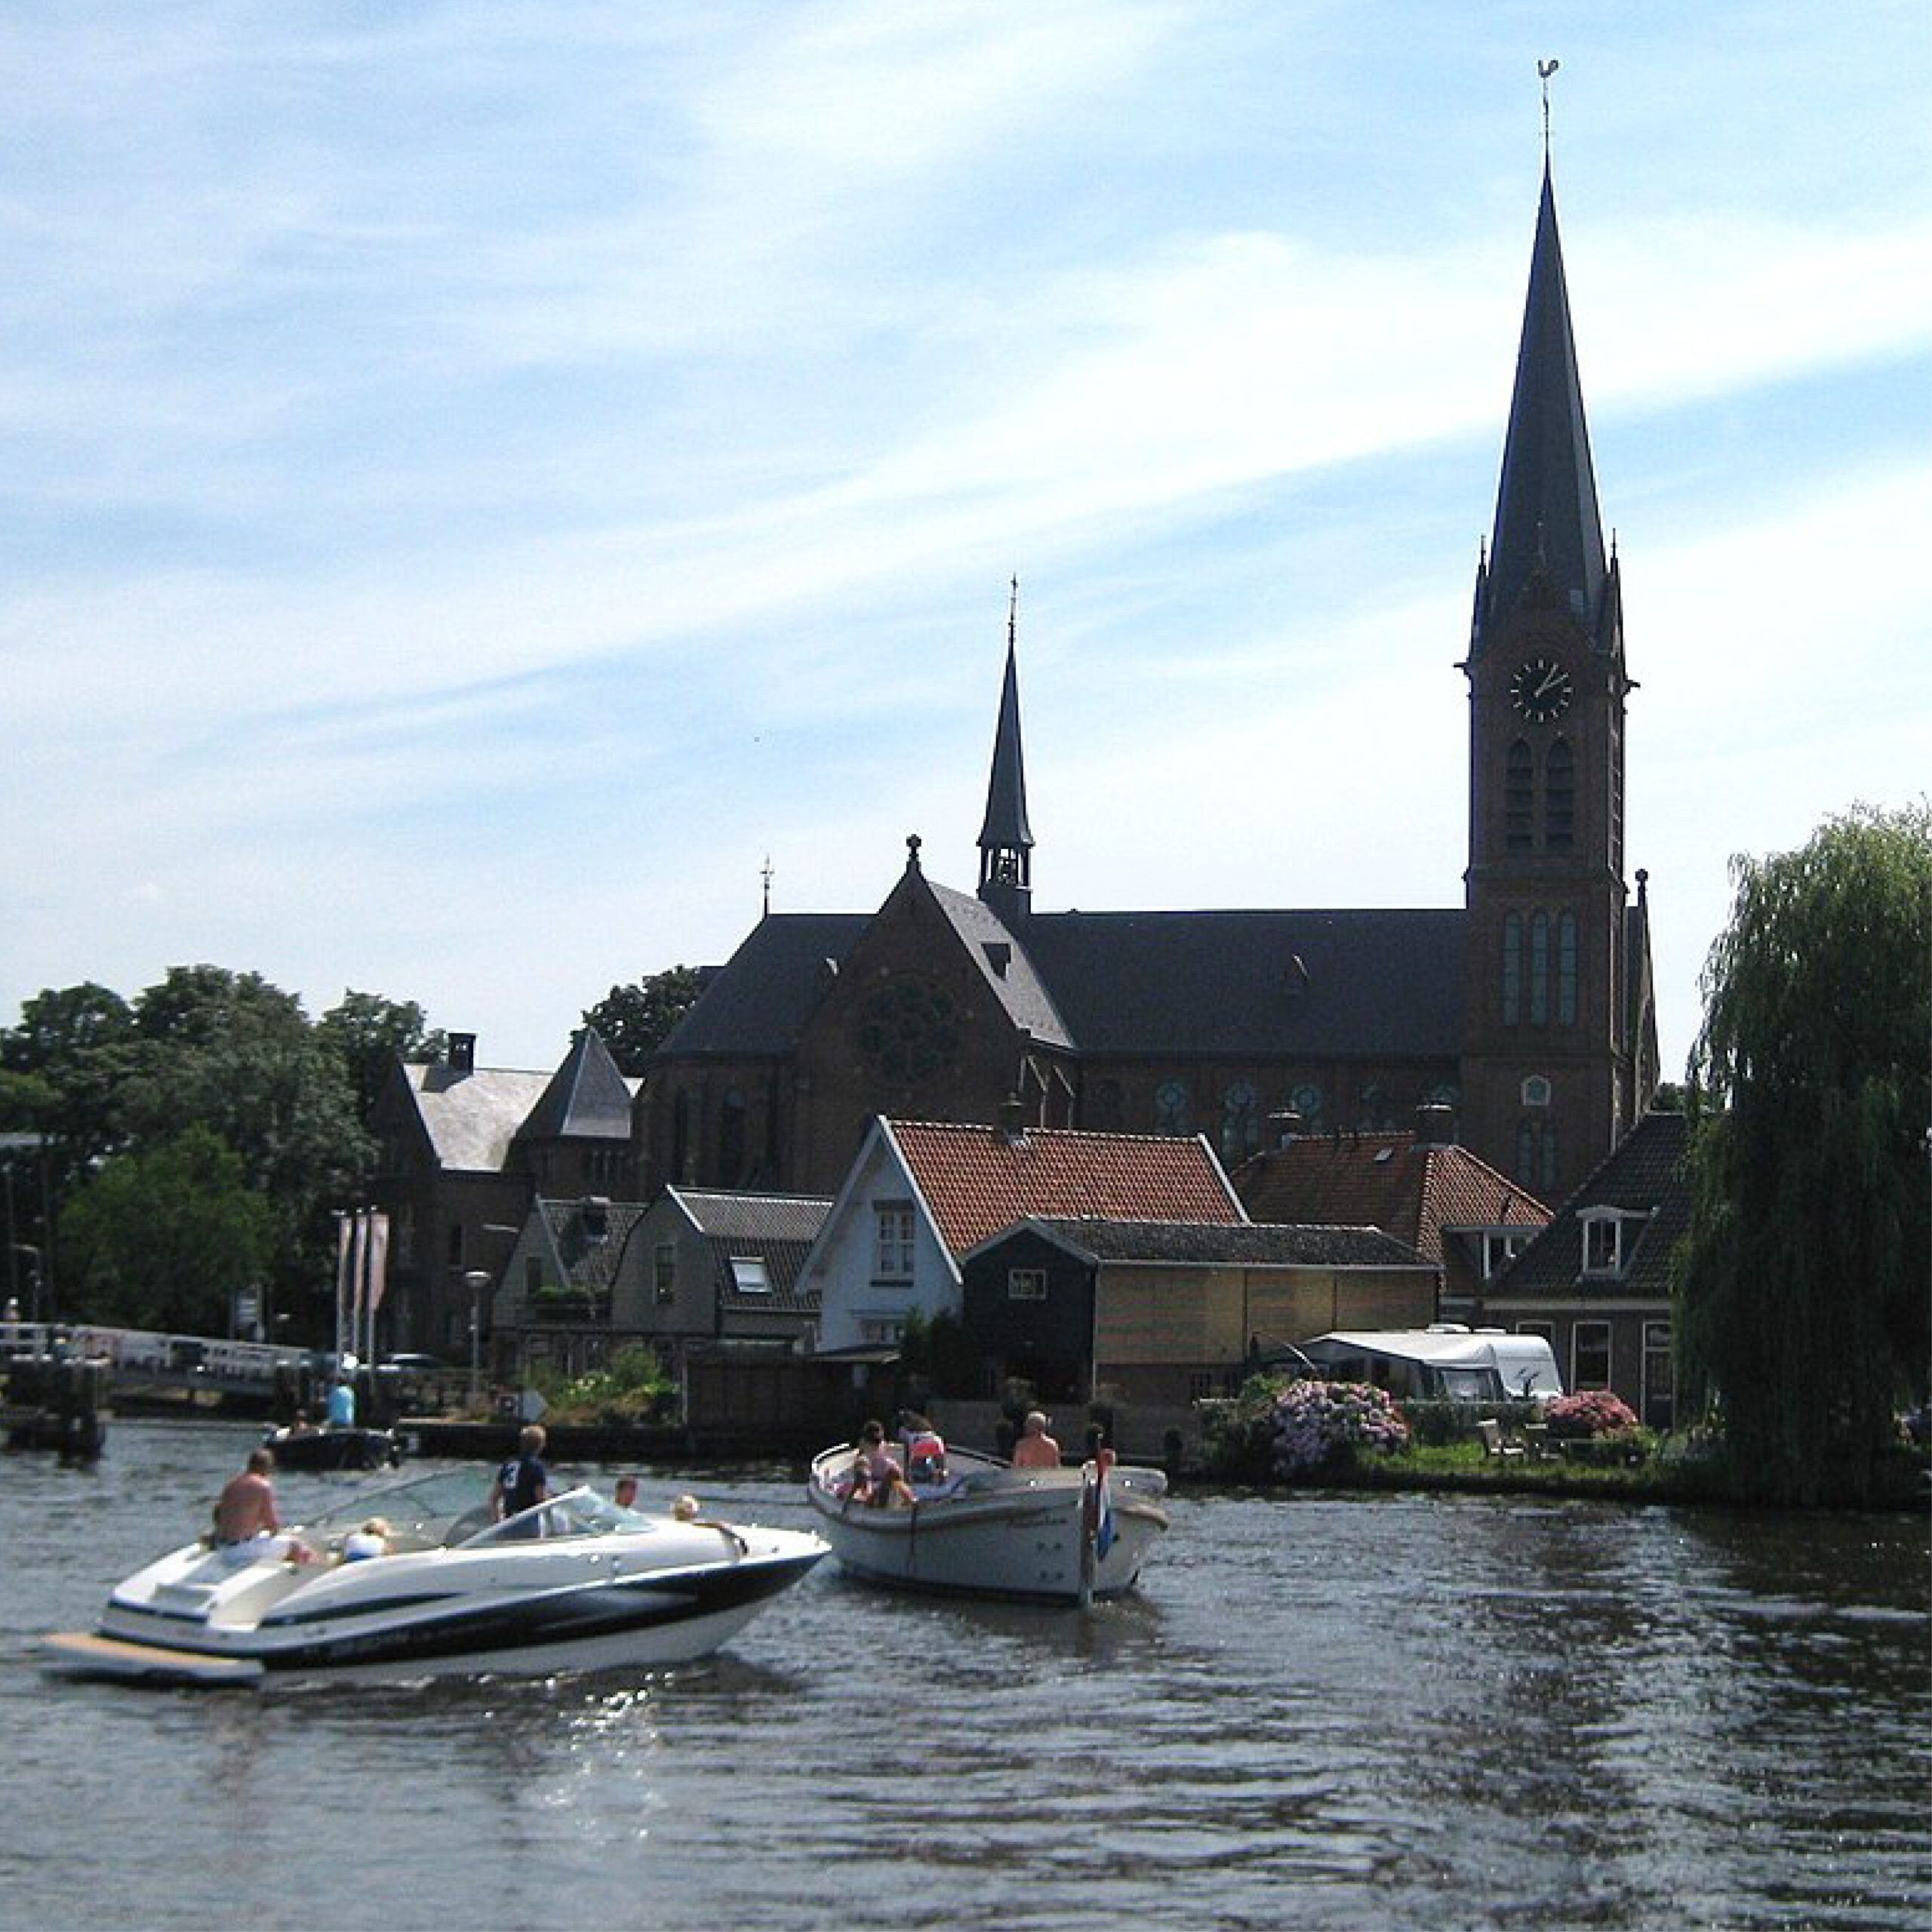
(1541, 691)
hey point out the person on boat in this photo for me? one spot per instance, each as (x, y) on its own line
(925, 1448)
(301, 1425)
(342, 1403)
(625, 1495)
(371, 1539)
(882, 1476)
(522, 1482)
(246, 1519)
(1035, 1449)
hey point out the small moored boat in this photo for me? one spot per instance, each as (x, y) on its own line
(1066, 1535)
(335, 1447)
(576, 1582)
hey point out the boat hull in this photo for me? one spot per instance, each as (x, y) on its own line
(1029, 1535)
(335, 1449)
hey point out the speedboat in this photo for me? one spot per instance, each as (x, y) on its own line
(984, 1528)
(576, 1582)
(334, 1447)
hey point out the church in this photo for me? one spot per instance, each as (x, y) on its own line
(1526, 1010)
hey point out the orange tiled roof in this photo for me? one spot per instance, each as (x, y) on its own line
(1385, 1181)
(978, 1180)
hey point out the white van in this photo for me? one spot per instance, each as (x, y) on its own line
(1446, 1362)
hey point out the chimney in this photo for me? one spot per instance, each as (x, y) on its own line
(1436, 1124)
(1287, 1124)
(1012, 1129)
(462, 1053)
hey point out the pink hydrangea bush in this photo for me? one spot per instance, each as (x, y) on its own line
(1319, 1425)
(1593, 1413)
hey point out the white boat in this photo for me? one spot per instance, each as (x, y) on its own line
(576, 1583)
(1067, 1535)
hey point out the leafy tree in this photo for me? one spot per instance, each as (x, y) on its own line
(161, 1238)
(370, 1034)
(1801, 1294)
(635, 1020)
(67, 1060)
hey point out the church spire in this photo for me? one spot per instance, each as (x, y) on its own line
(1006, 840)
(1547, 522)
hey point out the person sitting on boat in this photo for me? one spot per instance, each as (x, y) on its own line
(925, 1448)
(882, 1481)
(246, 1523)
(625, 1494)
(301, 1426)
(1035, 1449)
(522, 1482)
(342, 1404)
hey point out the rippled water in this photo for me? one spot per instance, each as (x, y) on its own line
(1319, 1711)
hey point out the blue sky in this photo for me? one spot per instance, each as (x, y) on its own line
(480, 478)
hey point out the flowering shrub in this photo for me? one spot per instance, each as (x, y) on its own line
(1594, 1412)
(1319, 1424)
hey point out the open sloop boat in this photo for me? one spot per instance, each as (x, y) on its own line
(577, 1583)
(1067, 1535)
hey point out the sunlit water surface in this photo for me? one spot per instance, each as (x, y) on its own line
(1395, 1710)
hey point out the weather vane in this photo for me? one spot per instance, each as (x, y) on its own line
(1544, 70)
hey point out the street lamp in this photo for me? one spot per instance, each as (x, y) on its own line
(479, 1279)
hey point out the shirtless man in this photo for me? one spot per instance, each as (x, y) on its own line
(246, 1509)
(1035, 1450)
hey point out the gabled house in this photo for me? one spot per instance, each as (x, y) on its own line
(556, 1301)
(1445, 1202)
(1163, 1313)
(465, 1151)
(1596, 1282)
(920, 1194)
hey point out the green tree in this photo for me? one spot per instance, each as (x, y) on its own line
(1801, 1285)
(370, 1035)
(162, 1238)
(635, 1020)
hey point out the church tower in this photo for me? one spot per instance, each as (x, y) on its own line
(1555, 968)
(1006, 840)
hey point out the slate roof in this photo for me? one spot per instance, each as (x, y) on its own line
(776, 1229)
(1202, 1243)
(976, 1180)
(758, 1002)
(1018, 988)
(472, 1119)
(589, 1261)
(587, 1098)
(1647, 1169)
(1411, 1190)
(1547, 519)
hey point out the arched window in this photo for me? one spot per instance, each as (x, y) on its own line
(1566, 969)
(731, 1138)
(1538, 969)
(1512, 968)
(1559, 798)
(1518, 797)
(1546, 1181)
(1526, 1152)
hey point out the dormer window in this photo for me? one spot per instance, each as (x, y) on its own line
(1609, 1239)
(1501, 1246)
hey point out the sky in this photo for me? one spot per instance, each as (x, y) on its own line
(483, 482)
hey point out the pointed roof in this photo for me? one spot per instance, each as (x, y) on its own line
(1006, 829)
(976, 1180)
(587, 1098)
(1546, 514)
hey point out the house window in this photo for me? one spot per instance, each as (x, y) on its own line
(879, 1333)
(1589, 1355)
(893, 1261)
(664, 1273)
(1241, 1123)
(1512, 968)
(1025, 1284)
(453, 1244)
(1519, 791)
(1603, 1245)
(748, 1272)
(1659, 1378)
(1559, 795)
(1170, 1107)
(1498, 1249)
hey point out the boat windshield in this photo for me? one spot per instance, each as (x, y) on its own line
(451, 1507)
(578, 1512)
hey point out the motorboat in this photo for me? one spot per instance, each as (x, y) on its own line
(576, 1582)
(334, 1447)
(983, 1527)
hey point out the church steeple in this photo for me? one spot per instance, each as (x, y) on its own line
(1006, 840)
(1547, 522)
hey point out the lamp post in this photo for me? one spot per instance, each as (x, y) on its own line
(479, 1279)
(33, 1272)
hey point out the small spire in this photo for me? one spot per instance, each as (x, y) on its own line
(912, 844)
(1544, 70)
(1013, 612)
(765, 875)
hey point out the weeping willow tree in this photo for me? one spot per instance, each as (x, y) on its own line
(1802, 1288)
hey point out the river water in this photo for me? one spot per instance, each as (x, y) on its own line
(1319, 1711)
